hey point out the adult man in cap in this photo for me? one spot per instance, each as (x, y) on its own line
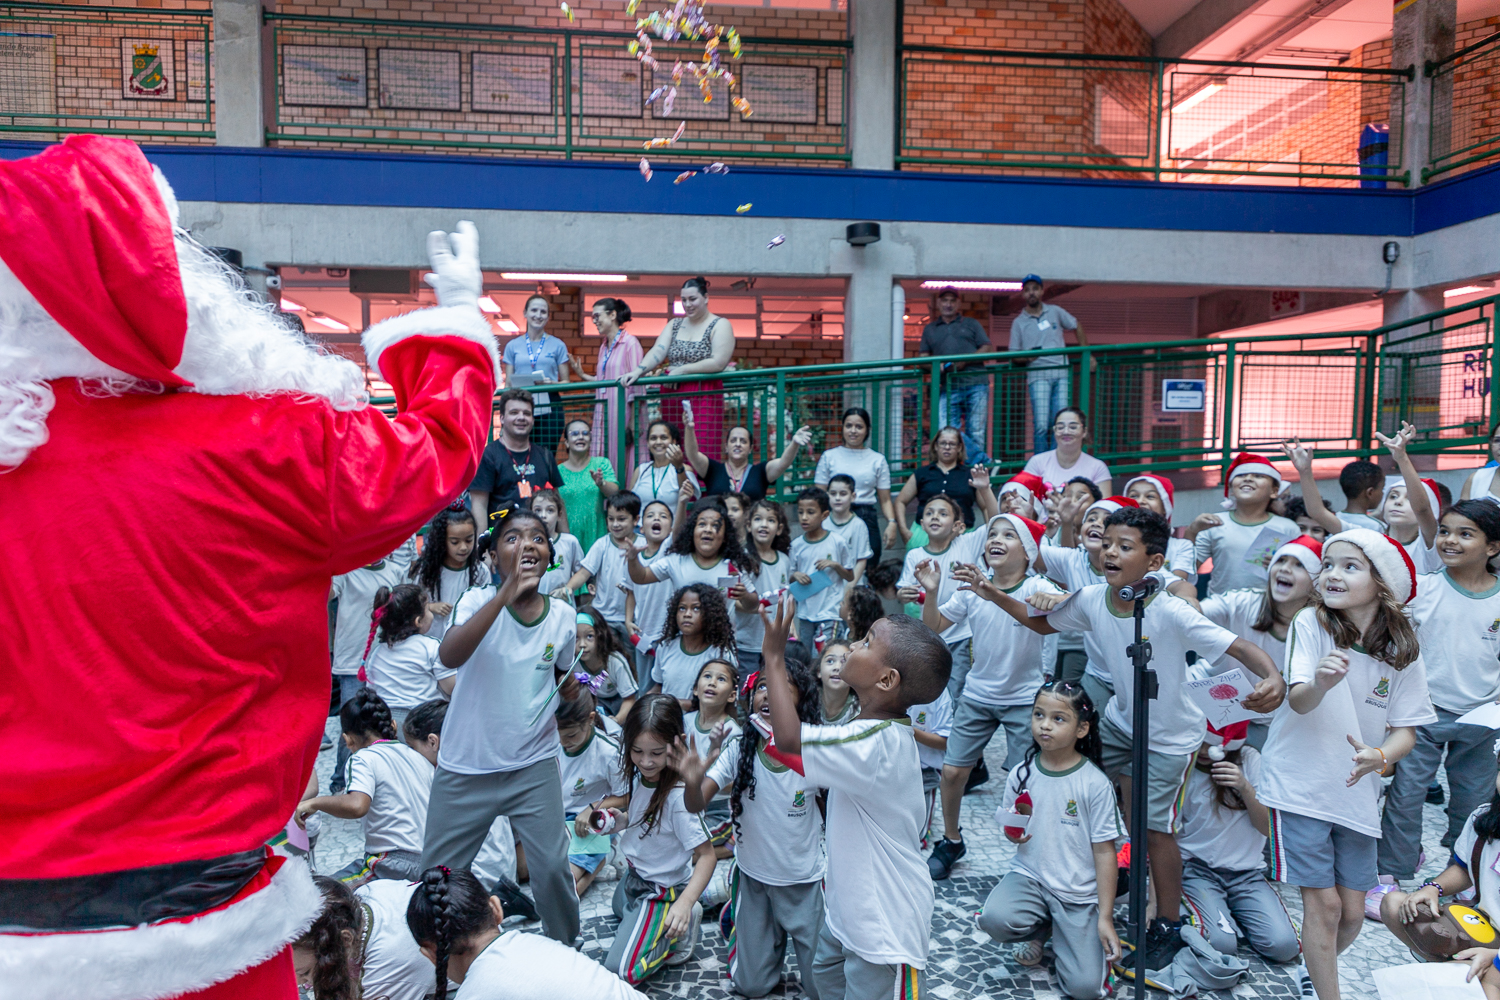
(965, 397)
(1040, 327)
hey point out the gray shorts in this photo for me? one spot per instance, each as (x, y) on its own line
(1166, 785)
(1316, 854)
(1099, 691)
(974, 723)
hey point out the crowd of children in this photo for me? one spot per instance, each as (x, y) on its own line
(705, 683)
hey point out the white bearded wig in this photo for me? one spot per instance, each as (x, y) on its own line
(235, 345)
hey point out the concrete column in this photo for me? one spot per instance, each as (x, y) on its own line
(871, 96)
(239, 90)
(1423, 31)
(1405, 372)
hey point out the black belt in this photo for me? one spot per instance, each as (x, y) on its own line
(126, 898)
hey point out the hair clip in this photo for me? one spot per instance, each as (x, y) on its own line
(750, 682)
(457, 506)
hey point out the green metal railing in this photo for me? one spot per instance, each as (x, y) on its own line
(71, 68)
(1142, 117)
(1333, 390)
(1465, 124)
(557, 93)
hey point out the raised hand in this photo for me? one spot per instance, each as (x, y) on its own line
(455, 275)
(929, 574)
(1301, 457)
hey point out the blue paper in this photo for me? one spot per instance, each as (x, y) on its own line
(821, 581)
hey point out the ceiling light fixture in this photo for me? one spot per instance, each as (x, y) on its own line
(1467, 290)
(489, 305)
(975, 286)
(570, 279)
(509, 327)
(287, 305)
(332, 324)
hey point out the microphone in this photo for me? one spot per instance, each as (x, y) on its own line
(1141, 589)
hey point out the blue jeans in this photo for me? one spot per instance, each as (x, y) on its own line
(968, 404)
(1048, 389)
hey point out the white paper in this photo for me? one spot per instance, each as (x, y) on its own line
(725, 582)
(1264, 546)
(1487, 716)
(1427, 981)
(1011, 819)
(1221, 697)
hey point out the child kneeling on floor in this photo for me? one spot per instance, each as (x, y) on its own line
(1063, 879)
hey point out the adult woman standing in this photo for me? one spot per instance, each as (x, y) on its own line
(736, 474)
(1481, 483)
(1070, 428)
(586, 480)
(868, 468)
(696, 343)
(619, 354)
(538, 357)
(664, 477)
(946, 472)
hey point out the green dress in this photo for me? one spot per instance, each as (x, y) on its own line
(584, 502)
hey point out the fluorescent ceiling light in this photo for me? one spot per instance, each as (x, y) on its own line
(287, 305)
(975, 286)
(332, 324)
(1466, 290)
(550, 276)
(509, 327)
(488, 305)
(1197, 97)
(677, 309)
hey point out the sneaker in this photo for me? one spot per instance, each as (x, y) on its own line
(1434, 794)
(515, 902)
(716, 893)
(327, 744)
(1028, 953)
(684, 950)
(1303, 983)
(978, 776)
(944, 856)
(1163, 941)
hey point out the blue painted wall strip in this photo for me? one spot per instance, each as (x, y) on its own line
(317, 177)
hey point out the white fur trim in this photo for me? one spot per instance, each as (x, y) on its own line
(439, 321)
(1161, 491)
(1382, 552)
(1105, 504)
(1028, 543)
(152, 962)
(1255, 468)
(1022, 490)
(168, 196)
(1302, 554)
(1391, 482)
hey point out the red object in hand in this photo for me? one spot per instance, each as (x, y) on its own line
(921, 597)
(1022, 807)
(635, 639)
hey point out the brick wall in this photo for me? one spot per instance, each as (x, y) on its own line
(1475, 94)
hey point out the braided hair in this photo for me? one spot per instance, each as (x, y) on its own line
(367, 714)
(336, 966)
(809, 709)
(427, 571)
(447, 908)
(1089, 744)
(730, 548)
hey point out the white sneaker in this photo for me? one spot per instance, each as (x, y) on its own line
(1028, 953)
(684, 952)
(716, 893)
(1303, 982)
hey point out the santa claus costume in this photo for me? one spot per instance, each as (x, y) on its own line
(185, 475)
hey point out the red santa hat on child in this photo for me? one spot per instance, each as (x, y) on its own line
(1029, 486)
(86, 229)
(1391, 482)
(1163, 487)
(1029, 531)
(1387, 555)
(1110, 504)
(1306, 549)
(1245, 463)
(1231, 737)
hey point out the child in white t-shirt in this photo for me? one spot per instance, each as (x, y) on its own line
(646, 603)
(512, 647)
(1063, 878)
(1223, 841)
(1007, 670)
(947, 545)
(698, 629)
(449, 565)
(588, 762)
(403, 665)
(1154, 492)
(603, 567)
(456, 923)
(776, 890)
(667, 848)
(850, 529)
(388, 785)
(1358, 690)
(1241, 542)
(819, 554)
(931, 723)
(878, 895)
(712, 711)
(601, 659)
(838, 702)
(567, 552)
(364, 931)
(770, 539)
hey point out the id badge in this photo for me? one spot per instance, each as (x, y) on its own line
(524, 489)
(1044, 324)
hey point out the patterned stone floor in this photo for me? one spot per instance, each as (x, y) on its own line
(964, 964)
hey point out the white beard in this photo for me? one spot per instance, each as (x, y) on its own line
(235, 345)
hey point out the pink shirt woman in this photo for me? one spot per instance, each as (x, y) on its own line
(619, 354)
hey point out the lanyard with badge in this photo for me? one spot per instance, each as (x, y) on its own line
(523, 485)
(535, 350)
(606, 351)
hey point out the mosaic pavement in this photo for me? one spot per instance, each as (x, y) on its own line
(964, 963)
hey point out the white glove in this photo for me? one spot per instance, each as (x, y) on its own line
(455, 276)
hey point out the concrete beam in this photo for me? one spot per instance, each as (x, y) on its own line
(871, 95)
(1234, 308)
(1204, 22)
(1421, 33)
(239, 86)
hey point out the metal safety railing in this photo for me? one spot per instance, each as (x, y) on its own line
(1465, 125)
(1136, 117)
(1166, 406)
(549, 93)
(111, 70)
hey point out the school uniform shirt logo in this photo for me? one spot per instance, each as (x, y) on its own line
(1383, 689)
(799, 799)
(1494, 627)
(1072, 808)
(921, 718)
(548, 653)
(578, 786)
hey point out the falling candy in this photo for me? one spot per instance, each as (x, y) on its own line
(661, 141)
(776, 241)
(742, 106)
(684, 176)
(681, 128)
(646, 170)
(716, 168)
(744, 208)
(568, 11)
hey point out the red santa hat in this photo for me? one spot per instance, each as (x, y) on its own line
(1163, 487)
(1231, 737)
(1391, 482)
(85, 229)
(1029, 531)
(1029, 486)
(1110, 504)
(1306, 549)
(1388, 556)
(1244, 463)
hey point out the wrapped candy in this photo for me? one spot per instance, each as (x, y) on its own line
(567, 10)
(1021, 808)
(646, 170)
(744, 208)
(669, 100)
(742, 106)
(603, 821)
(716, 168)
(684, 176)
(776, 241)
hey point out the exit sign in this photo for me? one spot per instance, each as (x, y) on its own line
(1285, 303)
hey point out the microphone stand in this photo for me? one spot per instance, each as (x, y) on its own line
(1145, 691)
